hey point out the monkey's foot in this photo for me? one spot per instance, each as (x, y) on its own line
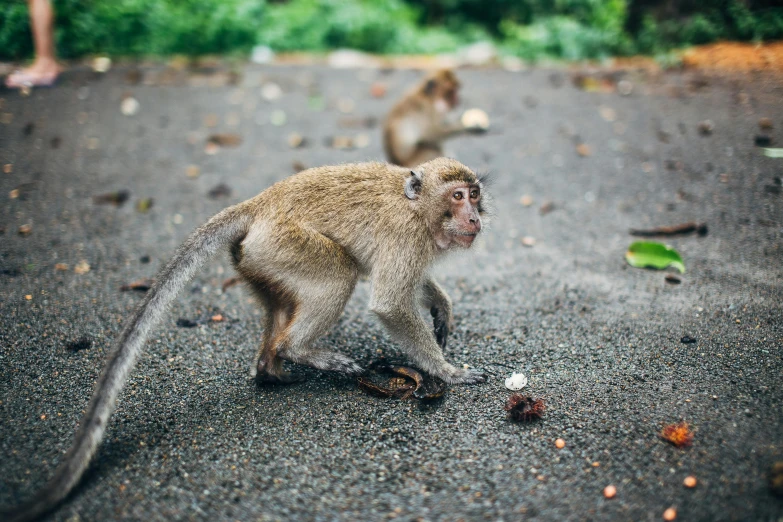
(466, 377)
(328, 361)
(263, 378)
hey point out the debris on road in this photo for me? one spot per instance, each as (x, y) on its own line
(762, 140)
(78, 345)
(117, 198)
(706, 127)
(220, 190)
(776, 478)
(228, 283)
(560, 443)
(25, 230)
(672, 279)
(225, 140)
(140, 285)
(678, 434)
(524, 409)
(670, 514)
(82, 267)
(517, 381)
(144, 205)
(684, 228)
(610, 491)
(129, 106)
(688, 340)
(546, 208)
(186, 323)
(408, 382)
(649, 254)
(690, 481)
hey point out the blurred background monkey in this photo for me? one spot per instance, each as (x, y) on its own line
(418, 124)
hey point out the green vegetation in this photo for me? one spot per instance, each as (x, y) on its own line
(531, 29)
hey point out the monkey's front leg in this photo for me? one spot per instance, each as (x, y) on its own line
(437, 300)
(396, 308)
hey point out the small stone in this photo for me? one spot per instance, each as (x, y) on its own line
(61, 267)
(278, 118)
(295, 140)
(211, 120)
(690, 481)
(610, 491)
(14, 194)
(765, 124)
(271, 91)
(670, 514)
(8, 168)
(361, 141)
(607, 113)
(192, 171)
(378, 90)
(583, 150)
(129, 106)
(101, 64)
(624, 87)
(560, 444)
(528, 241)
(706, 127)
(82, 267)
(526, 200)
(516, 381)
(346, 105)
(25, 230)
(28, 297)
(262, 54)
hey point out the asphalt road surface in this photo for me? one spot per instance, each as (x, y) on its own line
(193, 437)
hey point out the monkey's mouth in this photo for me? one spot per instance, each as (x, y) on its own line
(466, 238)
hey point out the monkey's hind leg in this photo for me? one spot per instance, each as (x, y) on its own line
(303, 301)
(321, 304)
(268, 366)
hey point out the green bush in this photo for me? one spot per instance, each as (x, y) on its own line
(137, 27)
(532, 29)
(382, 26)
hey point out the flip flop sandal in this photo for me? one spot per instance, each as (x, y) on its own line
(21, 80)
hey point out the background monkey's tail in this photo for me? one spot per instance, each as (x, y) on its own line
(225, 229)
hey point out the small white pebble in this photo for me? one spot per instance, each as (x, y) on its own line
(517, 381)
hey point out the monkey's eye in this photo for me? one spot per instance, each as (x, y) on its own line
(458, 196)
(474, 194)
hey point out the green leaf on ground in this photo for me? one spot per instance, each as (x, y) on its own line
(650, 254)
(773, 153)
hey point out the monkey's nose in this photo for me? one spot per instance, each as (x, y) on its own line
(476, 222)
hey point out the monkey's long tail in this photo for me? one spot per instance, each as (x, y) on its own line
(223, 230)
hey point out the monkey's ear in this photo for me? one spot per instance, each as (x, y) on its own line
(413, 185)
(429, 87)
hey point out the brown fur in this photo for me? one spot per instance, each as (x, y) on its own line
(417, 125)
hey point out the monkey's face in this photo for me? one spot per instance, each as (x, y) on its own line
(463, 219)
(450, 94)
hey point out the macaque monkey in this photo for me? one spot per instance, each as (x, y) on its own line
(300, 246)
(417, 125)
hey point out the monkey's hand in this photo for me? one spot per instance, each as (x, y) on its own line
(440, 321)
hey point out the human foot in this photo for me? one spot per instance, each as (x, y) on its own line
(39, 74)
